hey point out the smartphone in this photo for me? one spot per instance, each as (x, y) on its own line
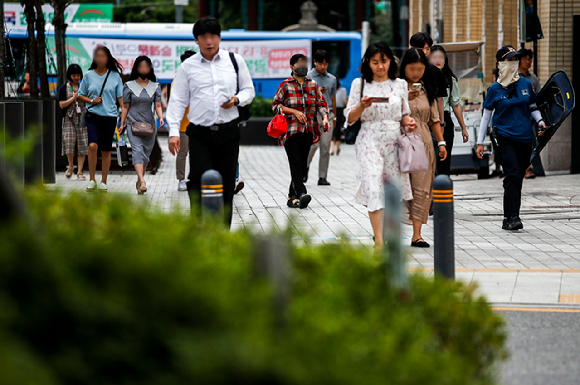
(380, 100)
(417, 87)
(323, 89)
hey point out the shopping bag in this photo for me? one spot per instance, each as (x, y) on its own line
(122, 150)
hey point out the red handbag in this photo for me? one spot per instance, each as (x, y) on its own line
(278, 126)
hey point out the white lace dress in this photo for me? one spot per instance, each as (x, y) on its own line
(376, 145)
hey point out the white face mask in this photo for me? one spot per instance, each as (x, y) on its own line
(508, 73)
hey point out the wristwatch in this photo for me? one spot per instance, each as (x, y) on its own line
(442, 143)
(92, 101)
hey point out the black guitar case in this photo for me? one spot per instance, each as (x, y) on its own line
(556, 101)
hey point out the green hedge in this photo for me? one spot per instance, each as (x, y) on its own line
(261, 107)
(100, 290)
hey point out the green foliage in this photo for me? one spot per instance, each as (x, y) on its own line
(101, 290)
(261, 107)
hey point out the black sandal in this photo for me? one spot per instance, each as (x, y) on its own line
(304, 200)
(420, 243)
(293, 203)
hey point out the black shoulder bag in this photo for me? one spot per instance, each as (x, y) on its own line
(245, 110)
(352, 131)
(102, 89)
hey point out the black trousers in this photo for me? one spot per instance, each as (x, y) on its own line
(514, 157)
(297, 147)
(218, 150)
(444, 167)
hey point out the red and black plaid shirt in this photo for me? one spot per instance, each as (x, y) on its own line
(306, 98)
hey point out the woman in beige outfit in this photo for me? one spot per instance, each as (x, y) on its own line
(415, 70)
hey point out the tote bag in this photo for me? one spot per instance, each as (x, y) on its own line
(412, 155)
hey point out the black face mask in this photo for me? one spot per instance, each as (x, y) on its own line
(142, 77)
(301, 71)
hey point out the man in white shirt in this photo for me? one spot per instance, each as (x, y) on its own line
(207, 82)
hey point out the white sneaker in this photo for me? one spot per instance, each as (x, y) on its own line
(102, 187)
(182, 185)
(92, 186)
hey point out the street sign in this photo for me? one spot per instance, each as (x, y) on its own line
(182, 2)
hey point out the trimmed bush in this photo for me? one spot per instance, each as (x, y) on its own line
(101, 290)
(261, 107)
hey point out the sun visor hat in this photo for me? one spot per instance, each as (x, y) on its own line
(506, 52)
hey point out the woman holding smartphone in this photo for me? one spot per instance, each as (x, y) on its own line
(101, 89)
(424, 109)
(383, 108)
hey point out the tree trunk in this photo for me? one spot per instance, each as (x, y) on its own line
(32, 67)
(59, 39)
(2, 51)
(41, 40)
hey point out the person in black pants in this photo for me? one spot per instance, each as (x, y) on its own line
(209, 85)
(438, 58)
(510, 100)
(300, 100)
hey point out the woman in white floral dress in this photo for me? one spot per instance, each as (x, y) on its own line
(376, 145)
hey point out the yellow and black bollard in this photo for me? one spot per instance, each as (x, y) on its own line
(212, 192)
(443, 226)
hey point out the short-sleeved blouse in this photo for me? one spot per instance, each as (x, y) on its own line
(394, 110)
(141, 99)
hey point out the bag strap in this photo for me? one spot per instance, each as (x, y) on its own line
(102, 88)
(362, 86)
(235, 64)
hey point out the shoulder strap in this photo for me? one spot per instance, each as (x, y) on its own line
(104, 83)
(362, 86)
(235, 63)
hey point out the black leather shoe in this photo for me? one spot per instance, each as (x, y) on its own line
(305, 179)
(323, 182)
(512, 223)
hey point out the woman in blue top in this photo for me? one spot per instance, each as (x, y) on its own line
(510, 100)
(101, 89)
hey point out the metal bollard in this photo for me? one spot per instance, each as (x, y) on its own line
(443, 227)
(212, 192)
(393, 251)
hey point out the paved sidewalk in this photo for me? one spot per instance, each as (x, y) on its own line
(540, 264)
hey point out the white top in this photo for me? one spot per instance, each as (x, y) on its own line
(203, 86)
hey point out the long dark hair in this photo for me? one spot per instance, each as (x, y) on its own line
(135, 73)
(415, 55)
(373, 49)
(447, 72)
(112, 63)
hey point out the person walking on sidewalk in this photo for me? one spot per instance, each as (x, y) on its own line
(424, 109)
(341, 100)
(526, 58)
(208, 84)
(102, 90)
(140, 94)
(439, 59)
(184, 139)
(510, 100)
(377, 157)
(328, 85)
(300, 99)
(424, 42)
(74, 130)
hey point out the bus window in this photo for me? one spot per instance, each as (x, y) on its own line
(339, 53)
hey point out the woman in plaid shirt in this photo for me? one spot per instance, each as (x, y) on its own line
(299, 98)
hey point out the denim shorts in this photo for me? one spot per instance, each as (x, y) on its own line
(101, 130)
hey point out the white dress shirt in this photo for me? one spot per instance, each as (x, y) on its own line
(204, 86)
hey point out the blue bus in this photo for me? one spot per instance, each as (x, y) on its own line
(344, 48)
